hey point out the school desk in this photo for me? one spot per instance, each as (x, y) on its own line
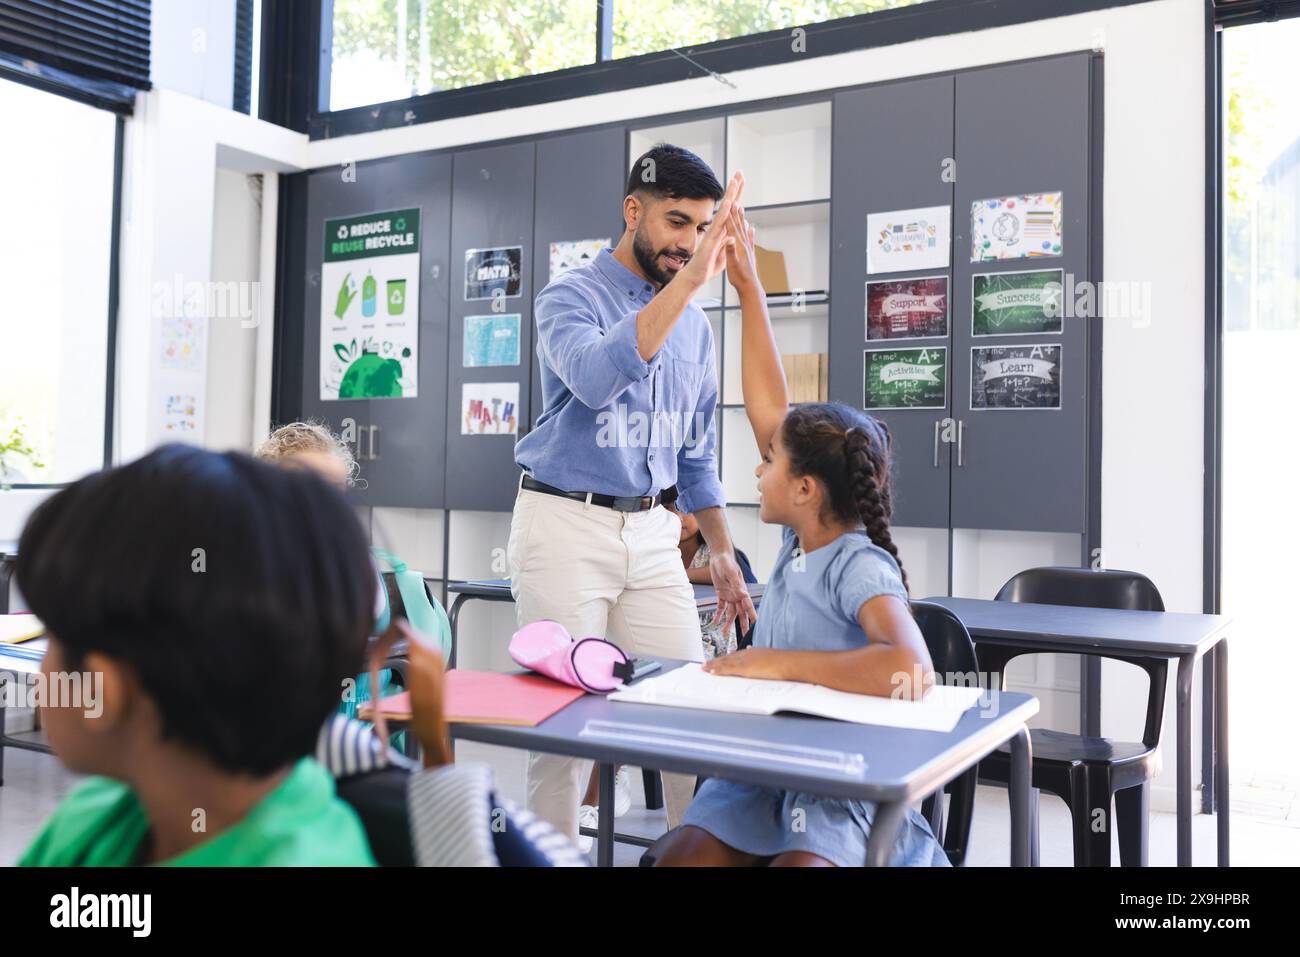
(1137, 634)
(892, 767)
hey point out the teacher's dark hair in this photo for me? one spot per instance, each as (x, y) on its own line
(667, 171)
(850, 454)
(240, 594)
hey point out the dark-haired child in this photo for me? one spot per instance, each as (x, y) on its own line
(835, 611)
(191, 583)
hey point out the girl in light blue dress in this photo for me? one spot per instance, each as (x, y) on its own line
(835, 611)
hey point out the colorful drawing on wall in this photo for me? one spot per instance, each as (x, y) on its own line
(570, 255)
(907, 308)
(909, 239)
(1015, 227)
(905, 378)
(369, 349)
(1015, 377)
(491, 341)
(180, 413)
(182, 342)
(493, 272)
(489, 408)
(1016, 303)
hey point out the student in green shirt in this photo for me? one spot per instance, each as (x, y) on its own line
(212, 606)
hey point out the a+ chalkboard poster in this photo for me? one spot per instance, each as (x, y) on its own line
(1026, 303)
(1015, 377)
(905, 378)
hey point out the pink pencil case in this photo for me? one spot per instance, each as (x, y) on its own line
(592, 664)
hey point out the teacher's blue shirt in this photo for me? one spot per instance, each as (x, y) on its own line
(614, 423)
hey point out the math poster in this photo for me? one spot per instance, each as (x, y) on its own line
(1015, 377)
(909, 239)
(489, 408)
(370, 299)
(494, 273)
(570, 255)
(1024, 303)
(907, 308)
(1015, 227)
(491, 341)
(905, 378)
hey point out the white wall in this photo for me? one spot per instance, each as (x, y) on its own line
(232, 342)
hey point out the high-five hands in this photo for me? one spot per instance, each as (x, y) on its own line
(710, 256)
(742, 265)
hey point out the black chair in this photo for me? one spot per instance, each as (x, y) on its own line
(952, 652)
(1089, 772)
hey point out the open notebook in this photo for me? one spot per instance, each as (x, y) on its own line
(691, 687)
(15, 629)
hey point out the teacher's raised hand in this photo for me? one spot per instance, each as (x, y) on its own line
(710, 256)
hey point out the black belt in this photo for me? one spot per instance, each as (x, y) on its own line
(620, 503)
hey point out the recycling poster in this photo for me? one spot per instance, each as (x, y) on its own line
(370, 306)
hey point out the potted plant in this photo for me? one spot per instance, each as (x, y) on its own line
(13, 448)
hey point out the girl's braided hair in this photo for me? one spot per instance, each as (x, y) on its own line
(850, 453)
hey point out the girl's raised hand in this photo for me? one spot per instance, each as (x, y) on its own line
(710, 256)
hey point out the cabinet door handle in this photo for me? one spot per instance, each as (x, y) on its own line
(938, 423)
(961, 434)
(374, 442)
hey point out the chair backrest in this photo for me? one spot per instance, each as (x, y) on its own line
(379, 799)
(1095, 588)
(951, 649)
(1084, 587)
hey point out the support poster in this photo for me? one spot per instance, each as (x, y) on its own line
(905, 378)
(1016, 303)
(1015, 377)
(907, 308)
(370, 305)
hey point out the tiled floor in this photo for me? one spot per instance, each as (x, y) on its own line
(1265, 820)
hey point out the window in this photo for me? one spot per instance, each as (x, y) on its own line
(55, 251)
(648, 26)
(393, 49)
(386, 50)
(1260, 352)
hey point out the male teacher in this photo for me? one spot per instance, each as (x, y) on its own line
(629, 388)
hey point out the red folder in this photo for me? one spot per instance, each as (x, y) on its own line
(489, 697)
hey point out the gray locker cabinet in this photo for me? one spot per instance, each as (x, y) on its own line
(404, 447)
(396, 441)
(492, 207)
(580, 180)
(888, 147)
(1022, 129)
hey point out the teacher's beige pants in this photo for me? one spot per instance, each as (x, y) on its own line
(605, 574)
